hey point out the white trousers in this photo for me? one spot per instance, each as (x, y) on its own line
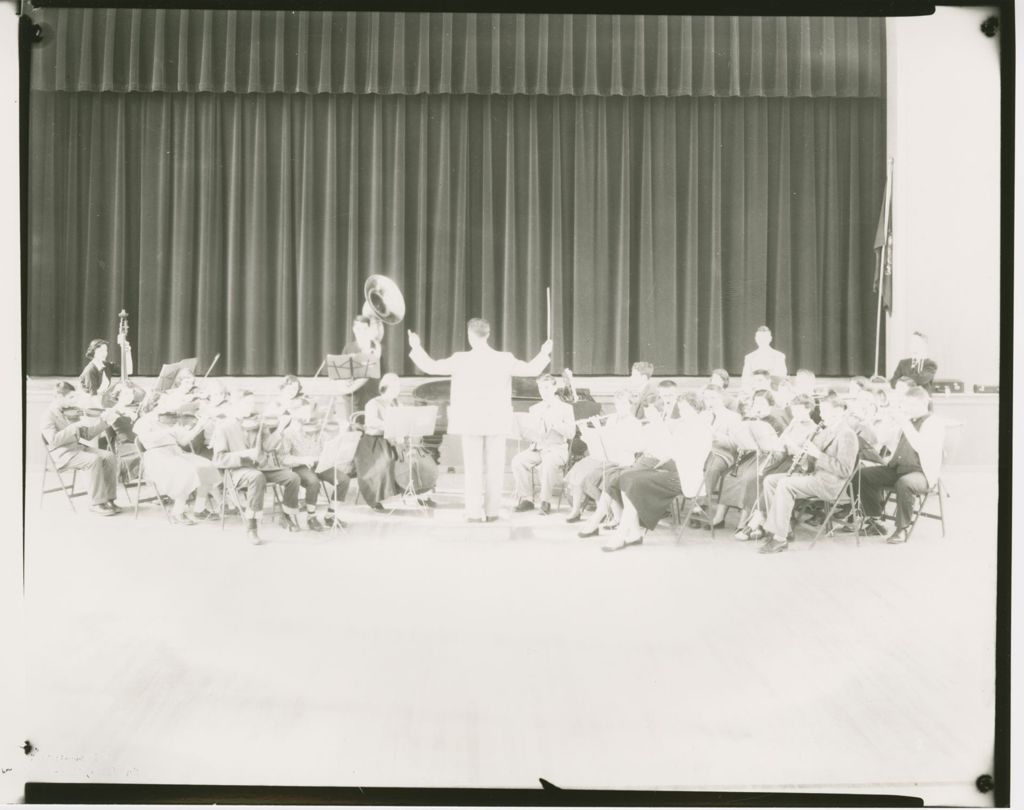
(483, 460)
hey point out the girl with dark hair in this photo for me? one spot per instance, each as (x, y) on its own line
(94, 378)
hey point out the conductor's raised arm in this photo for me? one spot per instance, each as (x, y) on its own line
(424, 362)
(534, 367)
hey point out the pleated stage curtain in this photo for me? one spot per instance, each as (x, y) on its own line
(668, 224)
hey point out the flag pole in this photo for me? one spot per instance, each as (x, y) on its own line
(881, 262)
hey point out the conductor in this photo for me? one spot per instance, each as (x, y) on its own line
(481, 409)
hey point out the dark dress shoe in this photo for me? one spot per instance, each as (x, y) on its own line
(574, 518)
(545, 508)
(427, 502)
(709, 527)
(377, 507)
(314, 525)
(591, 533)
(117, 509)
(773, 546)
(524, 506)
(491, 518)
(288, 522)
(206, 514)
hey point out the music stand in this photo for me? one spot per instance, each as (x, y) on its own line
(335, 454)
(352, 366)
(402, 424)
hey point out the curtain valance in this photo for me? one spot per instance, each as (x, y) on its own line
(157, 50)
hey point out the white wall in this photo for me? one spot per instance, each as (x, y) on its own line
(943, 124)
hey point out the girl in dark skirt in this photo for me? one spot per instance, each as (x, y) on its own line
(647, 494)
(375, 456)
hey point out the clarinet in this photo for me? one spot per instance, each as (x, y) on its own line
(798, 462)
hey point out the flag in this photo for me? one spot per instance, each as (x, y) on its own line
(883, 245)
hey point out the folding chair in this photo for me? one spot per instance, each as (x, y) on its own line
(846, 496)
(950, 443)
(140, 480)
(69, 492)
(705, 518)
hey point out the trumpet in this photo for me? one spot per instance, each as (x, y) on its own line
(798, 462)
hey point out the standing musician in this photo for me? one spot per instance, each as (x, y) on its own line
(764, 357)
(481, 409)
(746, 491)
(912, 469)
(648, 492)
(366, 345)
(246, 447)
(176, 473)
(65, 433)
(918, 367)
(584, 479)
(375, 455)
(833, 455)
(94, 378)
(723, 455)
(551, 450)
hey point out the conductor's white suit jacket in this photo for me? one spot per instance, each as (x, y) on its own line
(481, 402)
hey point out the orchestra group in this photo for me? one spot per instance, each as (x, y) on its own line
(762, 446)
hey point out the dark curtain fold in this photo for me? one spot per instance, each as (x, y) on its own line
(245, 223)
(155, 50)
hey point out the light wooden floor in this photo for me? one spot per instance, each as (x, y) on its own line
(417, 652)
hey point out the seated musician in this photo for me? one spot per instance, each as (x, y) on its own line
(375, 455)
(747, 491)
(244, 446)
(826, 462)
(66, 434)
(721, 378)
(651, 443)
(176, 473)
(583, 480)
(723, 455)
(642, 391)
(548, 452)
(882, 420)
(647, 492)
(806, 382)
(911, 471)
(290, 397)
(783, 394)
(300, 451)
(763, 357)
(94, 378)
(900, 388)
(918, 367)
(858, 387)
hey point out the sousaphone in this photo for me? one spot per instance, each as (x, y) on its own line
(384, 301)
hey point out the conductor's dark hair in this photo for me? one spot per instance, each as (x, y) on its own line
(93, 346)
(479, 327)
(63, 388)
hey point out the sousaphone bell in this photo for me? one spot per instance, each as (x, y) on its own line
(384, 301)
